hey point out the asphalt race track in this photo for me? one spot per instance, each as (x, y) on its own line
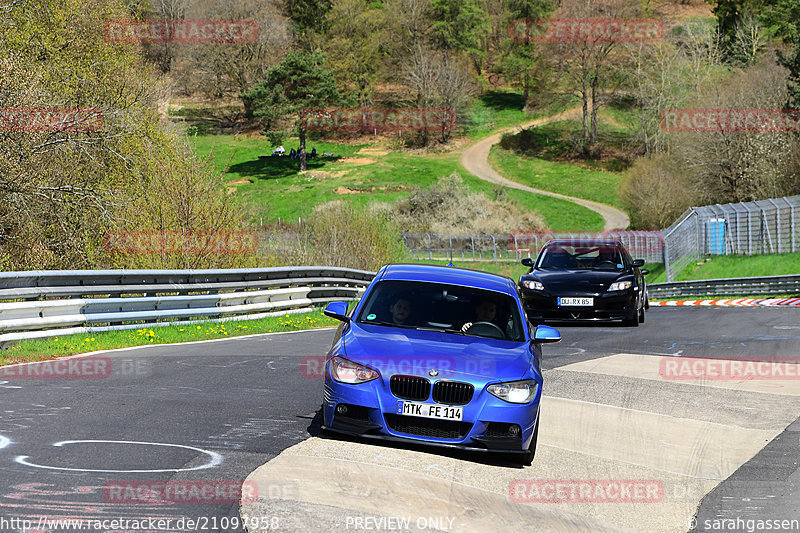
(615, 416)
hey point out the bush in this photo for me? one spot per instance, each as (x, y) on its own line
(449, 206)
(655, 191)
(343, 235)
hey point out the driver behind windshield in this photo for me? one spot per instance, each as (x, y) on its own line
(485, 311)
(400, 309)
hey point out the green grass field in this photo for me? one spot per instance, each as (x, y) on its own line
(555, 176)
(739, 266)
(274, 189)
(38, 350)
(497, 110)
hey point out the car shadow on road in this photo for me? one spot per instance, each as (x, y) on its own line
(486, 458)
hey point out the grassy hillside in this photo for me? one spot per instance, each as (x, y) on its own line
(273, 188)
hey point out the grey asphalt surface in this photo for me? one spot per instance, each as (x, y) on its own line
(245, 400)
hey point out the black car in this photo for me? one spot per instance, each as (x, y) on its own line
(584, 279)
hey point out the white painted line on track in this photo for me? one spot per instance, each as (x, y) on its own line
(215, 458)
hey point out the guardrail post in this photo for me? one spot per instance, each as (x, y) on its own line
(494, 248)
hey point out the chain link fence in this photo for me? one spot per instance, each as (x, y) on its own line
(647, 245)
(747, 228)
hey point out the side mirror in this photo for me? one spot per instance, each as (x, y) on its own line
(528, 262)
(645, 272)
(546, 334)
(638, 263)
(337, 310)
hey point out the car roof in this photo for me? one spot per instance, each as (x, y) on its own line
(447, 274)
(584, 242)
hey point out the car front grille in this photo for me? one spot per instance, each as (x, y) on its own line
(410, 387)
(427, 427)
(453, 392)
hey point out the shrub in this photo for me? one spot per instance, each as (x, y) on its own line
(655, 191)
(449, 206)
(343, 235)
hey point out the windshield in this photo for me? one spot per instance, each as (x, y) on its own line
(442, 307)
(582, 257)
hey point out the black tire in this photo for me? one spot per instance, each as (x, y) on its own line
(632, 320)
(527, 458)
(641, 315)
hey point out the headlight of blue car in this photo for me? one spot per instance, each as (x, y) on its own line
(515, 391)
(345, 371)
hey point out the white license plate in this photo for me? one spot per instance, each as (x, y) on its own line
(580, 302)
(429, 410)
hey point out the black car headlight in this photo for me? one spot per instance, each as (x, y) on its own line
(533, 285)
(523, 391)
(620, 286)
(346, 371)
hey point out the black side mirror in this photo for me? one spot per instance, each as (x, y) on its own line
(638, 263)
(645, 272)
(528, 262)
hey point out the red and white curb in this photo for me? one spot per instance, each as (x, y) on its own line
(741, 302)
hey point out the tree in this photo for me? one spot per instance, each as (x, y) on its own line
(62, 190)
(440, 81)
(522, 60)
(460, 25)
(354, 45)
(221, 69)
(593, 65)
(299, 82)
(308, 17)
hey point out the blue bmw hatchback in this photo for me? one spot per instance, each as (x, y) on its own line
(438, 355)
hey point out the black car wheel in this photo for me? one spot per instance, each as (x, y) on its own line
(641, 315)
(632, 319)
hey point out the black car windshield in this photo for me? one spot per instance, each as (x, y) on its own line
(443, 307)
(581, 257)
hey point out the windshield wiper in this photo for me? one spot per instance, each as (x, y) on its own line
(390, 324)
(440, 330)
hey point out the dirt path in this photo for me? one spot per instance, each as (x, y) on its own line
(476, 160)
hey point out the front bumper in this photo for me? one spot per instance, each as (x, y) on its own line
(541, 306)
(485, 425)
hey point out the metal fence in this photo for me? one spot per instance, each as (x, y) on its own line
(760, 227)
(647, 245)
(39, 304)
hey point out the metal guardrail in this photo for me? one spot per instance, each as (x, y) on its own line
(789, 285)
(40, 304)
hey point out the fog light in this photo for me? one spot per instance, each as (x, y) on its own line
(341, 409)
(513, 430)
